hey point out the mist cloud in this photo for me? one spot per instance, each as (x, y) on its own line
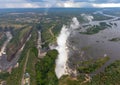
(61, 62)
(87, 17)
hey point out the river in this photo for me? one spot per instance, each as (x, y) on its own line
(95, 45)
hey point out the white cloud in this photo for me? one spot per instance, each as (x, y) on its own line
(83, 4)
(92, 0)
(46, 4)
(12, 1)
(19, 5)
(106, 5)
(72, 3)
(53, 3)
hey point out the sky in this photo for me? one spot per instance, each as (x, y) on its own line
(58, 3)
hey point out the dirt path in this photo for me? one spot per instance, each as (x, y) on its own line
(50, 30)
(24, 68)
(87, 79)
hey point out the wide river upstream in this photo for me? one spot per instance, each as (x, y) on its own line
(97, 45)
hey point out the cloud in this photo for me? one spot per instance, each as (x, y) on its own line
(72, 3)
(57, 3)
(75, 4)
(106, 5)
(17, 4)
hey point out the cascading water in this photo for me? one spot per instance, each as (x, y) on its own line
(61, 62)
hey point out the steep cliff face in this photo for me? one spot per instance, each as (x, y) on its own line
(17, 42)
(63, 49)
(3, 37)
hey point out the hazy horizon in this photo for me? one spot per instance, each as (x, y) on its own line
(59, 3)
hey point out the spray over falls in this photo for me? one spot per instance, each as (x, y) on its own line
(87, 17)
(61, 62)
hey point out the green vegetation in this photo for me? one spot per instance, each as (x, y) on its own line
(100, 17)
(67, 80)
(114, 39)
(49, 32)
(4, 76)
(47, 36)
(91, 65)
(42, 71)
(16, 75)
(32, 59)
(46, 76)
(17, 41)
(111, 76)
(45, 68)
(85, 48)
(96, 28)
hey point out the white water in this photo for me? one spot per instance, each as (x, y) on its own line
(61, 62)
(87, 17)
